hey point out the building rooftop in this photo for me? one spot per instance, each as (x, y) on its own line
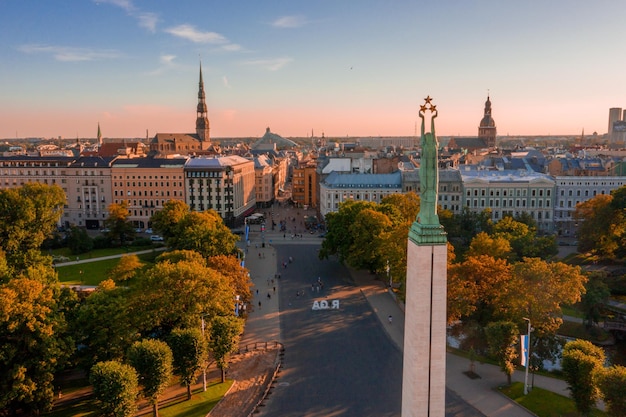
(341, 180)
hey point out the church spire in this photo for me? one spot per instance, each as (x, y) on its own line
(99, 135)
(202, 119)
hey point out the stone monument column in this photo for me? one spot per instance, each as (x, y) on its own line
(424, 368)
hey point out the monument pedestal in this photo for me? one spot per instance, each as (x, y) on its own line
(424, 368)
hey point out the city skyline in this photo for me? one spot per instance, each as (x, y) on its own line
(302, 68)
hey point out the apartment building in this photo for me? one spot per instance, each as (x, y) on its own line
(511, 192)
(339, 187)
(146, 184)
(225, 184)
(573, 190)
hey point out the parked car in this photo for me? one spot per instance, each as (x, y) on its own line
(149, 230)
(138, 230)
(156, 238)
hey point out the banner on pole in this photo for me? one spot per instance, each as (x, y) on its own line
(524, 350)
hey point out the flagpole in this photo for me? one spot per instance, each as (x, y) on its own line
(527, 358)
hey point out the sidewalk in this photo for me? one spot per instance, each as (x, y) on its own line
(480, 393)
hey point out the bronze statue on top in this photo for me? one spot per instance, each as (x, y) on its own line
(427, 229)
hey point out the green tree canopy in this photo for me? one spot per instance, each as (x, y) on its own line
(170, 295)
(611, 383)
(120, 228)
(224, 339)
(103, 326)
(189, 349)
(29, 215)
(581, 363)
(34, 342)
(501, 338)
(115, 387)
(152, 359)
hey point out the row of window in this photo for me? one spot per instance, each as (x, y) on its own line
(496, 203)
(508, 193)
(149, 177)
(158, 193)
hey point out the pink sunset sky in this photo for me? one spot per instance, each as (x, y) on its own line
(338, 68)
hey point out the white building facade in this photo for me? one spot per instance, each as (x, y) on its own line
(571, 191)
(340, 187)
(511, 193)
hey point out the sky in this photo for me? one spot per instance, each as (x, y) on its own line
(333, 67)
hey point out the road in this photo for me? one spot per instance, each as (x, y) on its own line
(338, 361)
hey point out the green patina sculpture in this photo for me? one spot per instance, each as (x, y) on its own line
(427, 229)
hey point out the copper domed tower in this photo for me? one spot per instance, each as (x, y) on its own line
(487, 127)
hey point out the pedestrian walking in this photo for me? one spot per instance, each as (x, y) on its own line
(259, 305)
(390, 319)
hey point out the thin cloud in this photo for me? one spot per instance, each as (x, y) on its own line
(269, 64)
(167, 63)
(232, 47)
(192, 34)
(146, 20)
(70, 54)
(225, 81)
(289, 22)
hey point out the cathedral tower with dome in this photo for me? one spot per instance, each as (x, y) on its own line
(487, 127)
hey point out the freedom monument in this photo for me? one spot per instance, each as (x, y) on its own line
(424, 369)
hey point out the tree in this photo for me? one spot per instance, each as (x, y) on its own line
(539, 288)
(126, 268)
(165, 221)
(34, 341)
(369, 231)
(115, 388)
(29, 215)
(524, 240)
(238, 276)
(152, 359)
(595, 218)
(78, 240)
(502, 337)
(189, 350)
(203, 232)
(338, 240)
(596, 295)
(581, 362)
(103, 326)
(119, 227)
(611, 383)
(224, 339)
(475, 287)
(171, 295)
(483, 244)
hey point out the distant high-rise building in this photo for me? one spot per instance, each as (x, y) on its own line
(615, 115)
(487, 127)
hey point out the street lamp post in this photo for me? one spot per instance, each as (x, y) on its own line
(527, 357)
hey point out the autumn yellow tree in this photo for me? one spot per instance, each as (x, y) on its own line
(126, 268)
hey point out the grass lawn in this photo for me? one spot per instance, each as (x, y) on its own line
(200, 405)
(94, 272)
(544, 403)
(579, 331)
(201, 402)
